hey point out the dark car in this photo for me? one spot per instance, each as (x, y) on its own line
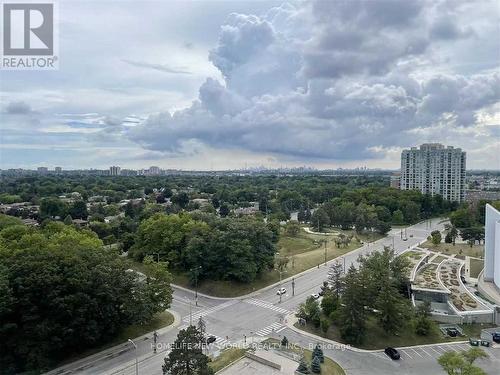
(393, 353)
(452, 332)
(211, 339)
(496, 337)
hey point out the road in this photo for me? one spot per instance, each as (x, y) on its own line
(252, 318)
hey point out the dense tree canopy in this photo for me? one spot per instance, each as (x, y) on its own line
(61, 292)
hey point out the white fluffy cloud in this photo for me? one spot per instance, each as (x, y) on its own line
(334, 81)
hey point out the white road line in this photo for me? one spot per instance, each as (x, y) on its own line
(431, 348)
(281, 329)
(267, 330)
(405, 353)
(266, 305)
(425, 352)
(194, 317)
(443, 350)
(417, 353)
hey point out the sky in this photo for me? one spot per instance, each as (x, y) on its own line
(230, 84)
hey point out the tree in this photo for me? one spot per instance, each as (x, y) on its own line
(78, 210)
(65, 294)
(52, 207)
(472, 234)
(352, 311)
(303, 368)
(318, 352)
(181, 199)
(397, 217)
(393, 309)
(329, 303)
(382, 227)
(292, 228)
(336, 278)
(462, 363)
(423, 324)
(319, 220)
(474, 353)
(224, 210)
(316, 365)
(186, 356)
(310, 311)
(436, 237)
(324, 324)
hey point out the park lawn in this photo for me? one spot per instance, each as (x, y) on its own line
(226, 357)
(376, 338)
(290, 246)
(476, 251)
(329, 367)
(476, 266)
(298, 263)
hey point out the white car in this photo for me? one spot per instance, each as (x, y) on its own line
(281, 291)
(315, 295)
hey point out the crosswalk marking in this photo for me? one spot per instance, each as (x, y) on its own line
(220, 342)
(195, 316)
(275, 327)
(267, 305)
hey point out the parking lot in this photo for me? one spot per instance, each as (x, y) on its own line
(420, 353)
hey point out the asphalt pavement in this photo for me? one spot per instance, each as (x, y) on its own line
(250, 319)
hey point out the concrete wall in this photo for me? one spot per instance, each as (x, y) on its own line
(464, 319)
(492, 246)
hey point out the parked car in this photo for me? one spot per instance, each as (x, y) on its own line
(392, 353)
(321, 292)
(211, 339)
(496, 337)
(452, 332)
(315, 295)
(281, 291)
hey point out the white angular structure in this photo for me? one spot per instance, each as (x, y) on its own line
(492, 246)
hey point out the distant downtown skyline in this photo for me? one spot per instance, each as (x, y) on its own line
(220, 85)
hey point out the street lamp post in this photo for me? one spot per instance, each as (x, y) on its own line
(280, 285)
(136, 359)
(196, 269)
(325, 251)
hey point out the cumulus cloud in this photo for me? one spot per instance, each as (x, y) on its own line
(346, 85)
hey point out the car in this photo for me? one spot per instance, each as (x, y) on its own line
(405, 239)
(321, 293)
(211, 339)
(496, 337)
(281, 291)
(315, 295)
(392, 353)
(452, 332)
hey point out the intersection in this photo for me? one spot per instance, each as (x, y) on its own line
(249, 319)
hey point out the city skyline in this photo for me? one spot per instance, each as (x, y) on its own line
(205, 85)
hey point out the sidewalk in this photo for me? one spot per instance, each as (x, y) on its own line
(114, 351)
(292, 319)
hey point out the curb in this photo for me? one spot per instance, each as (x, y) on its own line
(113, 351)
(291, 320)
